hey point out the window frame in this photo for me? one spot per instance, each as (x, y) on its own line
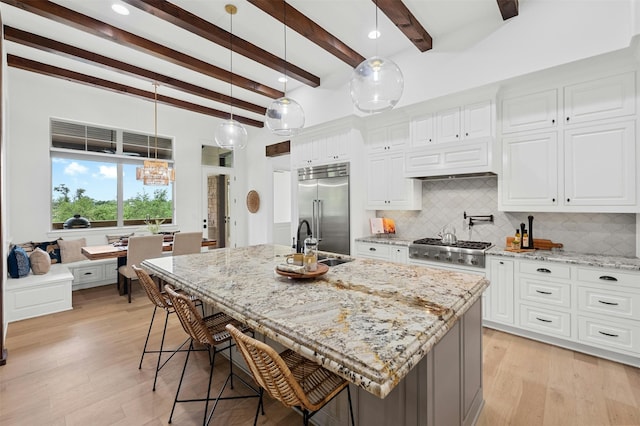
(117, 158)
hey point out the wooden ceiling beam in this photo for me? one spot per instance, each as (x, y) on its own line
(90, 25)
(309, 29)
(402, 17)
(508, 8)
(205, 29)
(46, 44)
(76, 77)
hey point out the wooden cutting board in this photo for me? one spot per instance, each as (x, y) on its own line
(538, 243)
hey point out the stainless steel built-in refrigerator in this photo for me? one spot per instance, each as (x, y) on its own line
(323, 200)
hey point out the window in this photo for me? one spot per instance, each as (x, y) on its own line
(93, 174)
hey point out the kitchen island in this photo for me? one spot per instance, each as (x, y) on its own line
(409, 336)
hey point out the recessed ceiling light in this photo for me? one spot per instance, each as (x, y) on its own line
(374, 34)
(283, 79)
(119, 9)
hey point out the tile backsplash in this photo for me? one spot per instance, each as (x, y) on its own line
(445, 201)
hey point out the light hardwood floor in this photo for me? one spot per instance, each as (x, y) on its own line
(81, 368)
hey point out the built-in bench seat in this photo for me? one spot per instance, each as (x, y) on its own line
(36, 295)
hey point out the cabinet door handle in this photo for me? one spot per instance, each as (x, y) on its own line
(568, 200)
(567, 119)
(553, 200)
(543, 292)
(604, 302)
(608, 278)
(553, 121)
(608, 334)
(466, 134)
(372, 249)
(543, 270)
(543, 320)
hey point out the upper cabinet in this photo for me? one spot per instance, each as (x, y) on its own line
(333, 145)
(456, 124)
(584, 162)
(530, 112)
(600, 99)
(387, 188)
(457, 140)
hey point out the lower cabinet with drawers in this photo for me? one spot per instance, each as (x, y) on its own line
(93, 273)
(382, 251)
(588, 309)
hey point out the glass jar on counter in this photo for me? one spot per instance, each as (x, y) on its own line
(310, 254)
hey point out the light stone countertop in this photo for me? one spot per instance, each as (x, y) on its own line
(594, 260)
(394, 241)
(369, 321)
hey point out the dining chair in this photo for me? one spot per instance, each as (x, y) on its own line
(139, 249)
(160, 300)
(288, 377)
(210, 332)
(186, 243)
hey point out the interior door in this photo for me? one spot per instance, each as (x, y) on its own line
(217, 214)
(307, 195)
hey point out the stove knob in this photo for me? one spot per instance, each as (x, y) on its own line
(425, 255)
(460, 260)
(436, 256)
(474, 260)
(449, 259)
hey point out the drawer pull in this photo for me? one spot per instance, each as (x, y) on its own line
(608, 303)
(543, 320)
(544, 270)
(543, 292)
(372, 249)
(88, 273)
(608, 334)
(608, 278)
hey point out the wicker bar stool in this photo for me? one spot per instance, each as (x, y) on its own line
(160, 300)
(288, 377)
(208, 331)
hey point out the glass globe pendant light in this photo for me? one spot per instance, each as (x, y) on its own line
(285, 116)
(231, 134)
(376, 84)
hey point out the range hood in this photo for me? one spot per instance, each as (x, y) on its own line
(458, 176)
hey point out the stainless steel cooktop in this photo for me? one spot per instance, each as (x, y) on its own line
(467, 253)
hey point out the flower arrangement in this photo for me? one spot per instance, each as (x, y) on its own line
(154, 226)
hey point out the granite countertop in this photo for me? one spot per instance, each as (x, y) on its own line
(595, 260)
(384, 239)
(369, 321)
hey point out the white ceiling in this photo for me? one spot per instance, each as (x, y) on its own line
(348, 20)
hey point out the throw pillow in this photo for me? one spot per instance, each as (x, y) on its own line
(70, 250)
(18, 262)
(40, 262)
(52, 248)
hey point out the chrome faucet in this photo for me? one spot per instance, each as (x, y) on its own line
(299, 244)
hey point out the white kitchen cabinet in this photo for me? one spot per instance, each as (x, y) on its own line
(529, 172)
(600, 165)
(93, 273)
(599, 99)
(589, 309)
(336, 148)
(448, 125)
(530, 112)
(307, 152)
(598, 172)
(473, 156)
(382, 251)
(387, 188)
(499, 296)
(478, 121)
(388, 139)
(422, 131)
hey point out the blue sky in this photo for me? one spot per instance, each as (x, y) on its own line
(99, 179)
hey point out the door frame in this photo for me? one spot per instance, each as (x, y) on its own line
(207, 171)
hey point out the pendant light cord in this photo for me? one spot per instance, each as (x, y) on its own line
(155, 116)
(231, 63)
(284, 21)
(377, 32)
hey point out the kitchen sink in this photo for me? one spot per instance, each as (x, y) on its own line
(333, 261)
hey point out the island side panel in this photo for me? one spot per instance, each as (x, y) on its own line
(445, 388)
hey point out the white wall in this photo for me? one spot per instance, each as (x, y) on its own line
(546, 33)
(33, 99)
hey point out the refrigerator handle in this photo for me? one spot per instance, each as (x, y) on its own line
(313, 219)
(319, 220)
